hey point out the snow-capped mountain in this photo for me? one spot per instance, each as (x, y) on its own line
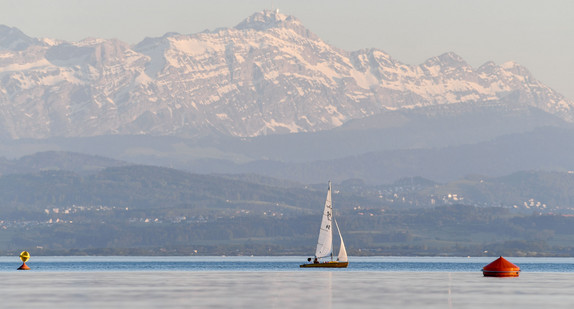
(267, 75)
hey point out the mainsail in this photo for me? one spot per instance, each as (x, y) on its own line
(325, 241)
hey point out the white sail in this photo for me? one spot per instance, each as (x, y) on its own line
(325, 241)
(342, 257)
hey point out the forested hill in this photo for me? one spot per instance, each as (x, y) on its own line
(101, 182)
(147, 187)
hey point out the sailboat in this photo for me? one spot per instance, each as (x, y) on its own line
(325, 241)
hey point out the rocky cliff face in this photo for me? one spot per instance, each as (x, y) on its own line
(267, 75)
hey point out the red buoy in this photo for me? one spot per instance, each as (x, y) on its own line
(500, 268)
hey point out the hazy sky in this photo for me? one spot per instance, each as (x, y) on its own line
(536, 34)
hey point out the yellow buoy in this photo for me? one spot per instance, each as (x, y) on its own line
(24, 256)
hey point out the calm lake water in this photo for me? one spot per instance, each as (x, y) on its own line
(278, 282)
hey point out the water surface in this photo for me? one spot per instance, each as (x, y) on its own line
(278, 282)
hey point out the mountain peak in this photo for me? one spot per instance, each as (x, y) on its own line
(272, 19)
(266, 19)
(516, 68)
(448, 59)
(510, 66)
(14, 39)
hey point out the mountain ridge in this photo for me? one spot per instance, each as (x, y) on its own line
(268, 75)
